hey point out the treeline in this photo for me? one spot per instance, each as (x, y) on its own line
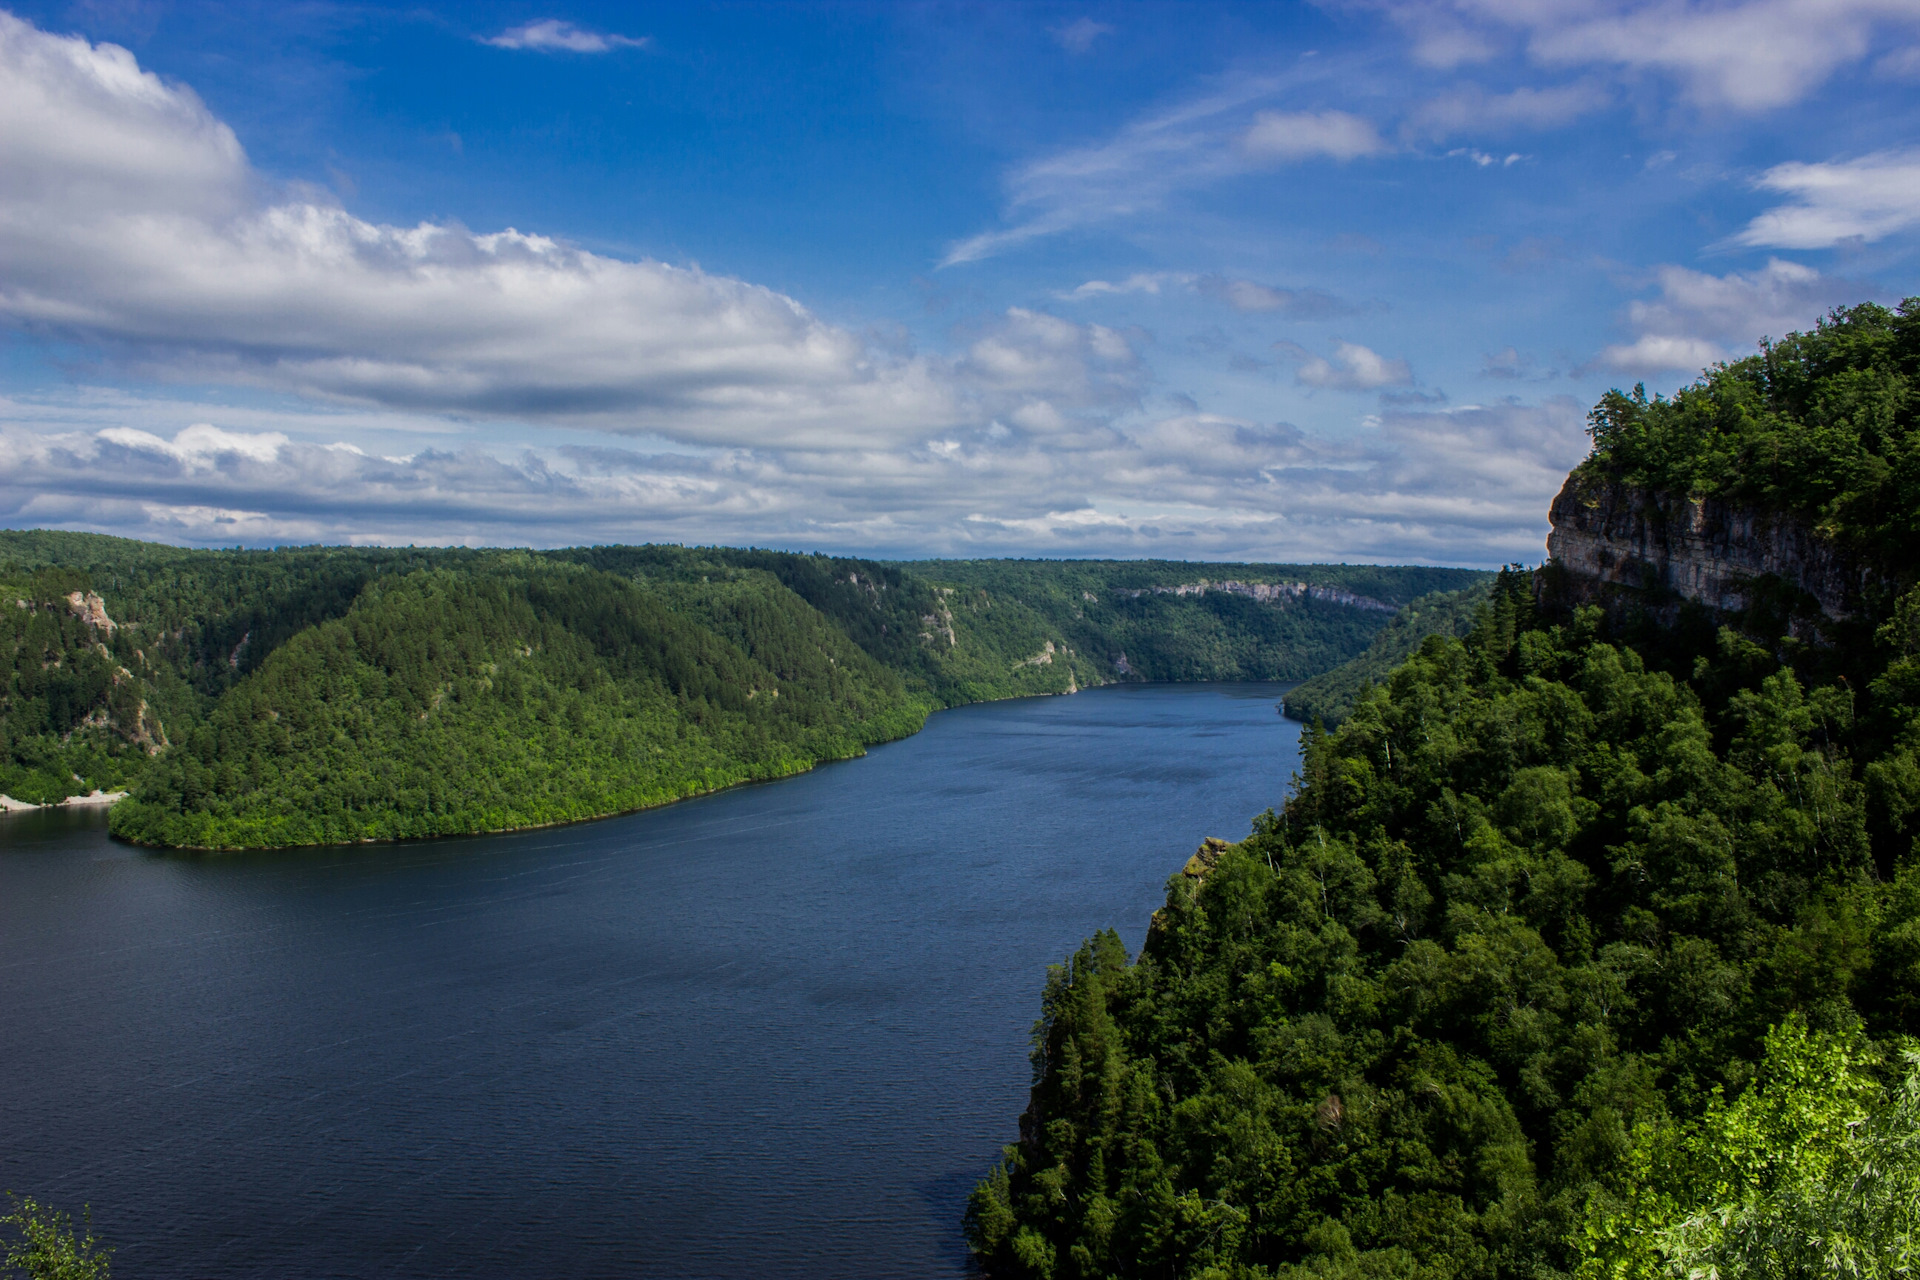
(1329, 697)
(1583, 947)
(1129, 616)
(309, 695)
(1817, 424)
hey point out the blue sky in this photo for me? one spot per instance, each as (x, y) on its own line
(1294, 282)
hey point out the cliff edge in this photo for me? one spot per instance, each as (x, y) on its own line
(1608, 536)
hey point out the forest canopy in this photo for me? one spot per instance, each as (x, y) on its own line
(313, 695)
(1580, 948)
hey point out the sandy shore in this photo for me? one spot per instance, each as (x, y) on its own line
(9, 805)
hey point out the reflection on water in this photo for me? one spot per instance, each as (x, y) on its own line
(774, 1032)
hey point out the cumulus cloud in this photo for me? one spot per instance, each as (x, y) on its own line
(1079, 35)
(1307, 135)
(1699, 319)
(1352, 368)
(1868, 198)
(550, 35)
(131, 220)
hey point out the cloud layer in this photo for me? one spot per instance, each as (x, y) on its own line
(132, 222)
(131, 218)
(1466, 486)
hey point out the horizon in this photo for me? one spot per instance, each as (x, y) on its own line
(1312, 284)
(266, 548)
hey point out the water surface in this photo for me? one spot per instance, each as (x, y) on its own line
(778, 1031)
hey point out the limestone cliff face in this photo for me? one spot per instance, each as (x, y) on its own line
(1712, 552)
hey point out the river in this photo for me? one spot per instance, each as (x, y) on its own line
(778, 1031)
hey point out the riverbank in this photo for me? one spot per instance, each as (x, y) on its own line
(96, 799)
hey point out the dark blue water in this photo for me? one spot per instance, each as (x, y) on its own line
(775, 1032)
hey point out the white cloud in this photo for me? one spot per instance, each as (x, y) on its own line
(550, 35)
(1251, 296)
(1485, 161)
(1079, 35)
(130, 220)
(1353, 368)
(1662, 351)
(1699, 319)
(1868, 198)
(1187, 146)
(1147, 282)
(1754, 55)
(1471, 485)
(1471, 109)
(1242, 295)
(1307, 135)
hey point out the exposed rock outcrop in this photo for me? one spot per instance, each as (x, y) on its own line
(1198, 868)
(1266, 593)
(1608, 535)
(90, 609)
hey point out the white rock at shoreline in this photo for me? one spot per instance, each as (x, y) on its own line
(98, 797)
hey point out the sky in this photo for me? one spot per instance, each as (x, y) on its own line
(1286, 282)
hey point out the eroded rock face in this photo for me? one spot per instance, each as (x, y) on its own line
(90, 609)
(1707, 551)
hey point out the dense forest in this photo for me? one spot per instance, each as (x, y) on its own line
(1329, 697)
(1175, 620)
(1584, 946)
(322, 694)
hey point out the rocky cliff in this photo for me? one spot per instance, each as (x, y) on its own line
(1607, 536)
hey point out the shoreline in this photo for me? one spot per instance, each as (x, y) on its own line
(96, 799)
(661, 804)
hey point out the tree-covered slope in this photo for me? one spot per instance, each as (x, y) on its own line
(1529, 895)
(1329, 696)
(303, 695)
(1820, 424)
(1174, 620)
(523, 693)
(1582, 947)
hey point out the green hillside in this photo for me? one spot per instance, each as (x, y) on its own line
(1580, 949)
(1150, 619)
(1329, 696)
(320, 694)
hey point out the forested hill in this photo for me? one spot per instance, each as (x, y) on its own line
(1588, 945)
(321, 694)
(1329, 696)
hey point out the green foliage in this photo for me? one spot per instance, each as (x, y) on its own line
(1822, 424)
(1329, 696)
(316, 694)
(1812, 1171)
(1532, 902)
(1126, 620)
(524, 693)
(50, 1247)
